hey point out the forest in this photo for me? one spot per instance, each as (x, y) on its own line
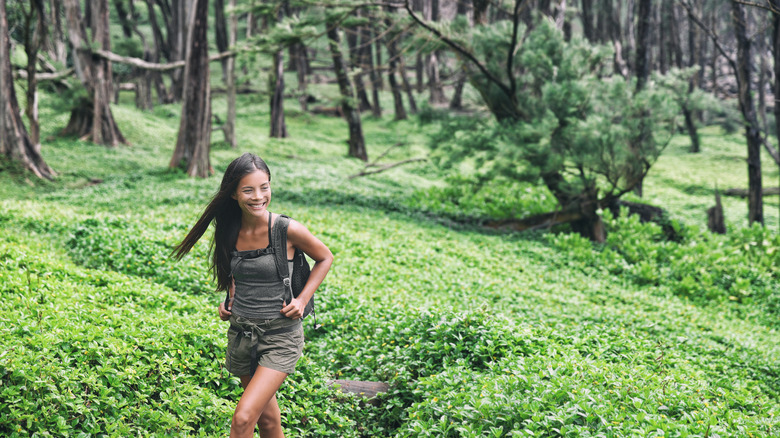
(549, 218)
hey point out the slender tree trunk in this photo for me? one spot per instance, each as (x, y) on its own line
(276, 81)
(586, 16)
(60, 49)
(368, 62)
(747, 106)
(221, 32)
(124, 19)
(15, 144)
(194, 139)
(642, 61)
(302, 73)
(35, 34)
(393, 55)
(355, 59)
(435, 88)
(357, 145)
(776, 56)
(177, 37)
(230, 79)
(642, 64)
(407, 86)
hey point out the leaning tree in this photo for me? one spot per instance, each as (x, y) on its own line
(15, 143)
(559, 116)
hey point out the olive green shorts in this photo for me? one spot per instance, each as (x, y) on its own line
(249, 346)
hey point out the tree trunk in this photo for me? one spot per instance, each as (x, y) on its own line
(15, 144)
(59, 49)
(368, 62)
(230, 79)
(407, 86)
(276, 81)
(676, 55)
(642, 64)
(193, 141)
(753, 136)
(159, 49)
(302, 73)
(776, 56)
(435, 88)
(391, 37)
(357, 146)
(124, 19)
(177, 36)
(35, 34)
(221, 32)
(355, 59)
(95, 74)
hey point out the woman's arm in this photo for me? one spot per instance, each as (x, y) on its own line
(300, 237)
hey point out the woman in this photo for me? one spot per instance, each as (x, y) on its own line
(265, 338)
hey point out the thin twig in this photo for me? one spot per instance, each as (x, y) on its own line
(365, 172)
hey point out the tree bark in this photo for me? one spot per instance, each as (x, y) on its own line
(35, 34)
(747, 106)
(95, 121)
(276, 81)
(374, 76)
(59, 50)
(221, 32)
(776, 56)
(357, 145)
(15, 143)
(642, 62)
(193, 141)
(391, 37)
(124, 19)
(355, 59)
(230, 79)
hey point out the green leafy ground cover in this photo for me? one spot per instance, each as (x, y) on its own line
(478, 333)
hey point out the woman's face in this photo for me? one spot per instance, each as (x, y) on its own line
(253, 194)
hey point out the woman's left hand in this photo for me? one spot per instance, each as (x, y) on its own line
(294, 310)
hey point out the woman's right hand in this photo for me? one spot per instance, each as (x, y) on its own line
(224, 314)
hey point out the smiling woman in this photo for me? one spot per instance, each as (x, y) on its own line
(265, 338)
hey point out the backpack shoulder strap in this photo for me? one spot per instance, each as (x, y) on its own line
(279, 244)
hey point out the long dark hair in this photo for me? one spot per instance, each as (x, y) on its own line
(223, 210)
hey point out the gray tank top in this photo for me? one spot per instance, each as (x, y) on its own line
(260, 293)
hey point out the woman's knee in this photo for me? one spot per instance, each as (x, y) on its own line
(243, 419)
(271, 417)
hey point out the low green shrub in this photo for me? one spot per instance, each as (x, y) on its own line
(117, 245)
(742, 267)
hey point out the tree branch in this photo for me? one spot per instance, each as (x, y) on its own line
(365, 172)
(460, 50)
(146, 65)
(40, 77)
(771, 8)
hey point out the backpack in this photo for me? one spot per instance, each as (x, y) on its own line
(301, 269)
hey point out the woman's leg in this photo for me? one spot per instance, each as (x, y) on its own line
(259, 394)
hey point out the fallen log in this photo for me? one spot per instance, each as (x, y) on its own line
(743, 193)
(368, 390)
